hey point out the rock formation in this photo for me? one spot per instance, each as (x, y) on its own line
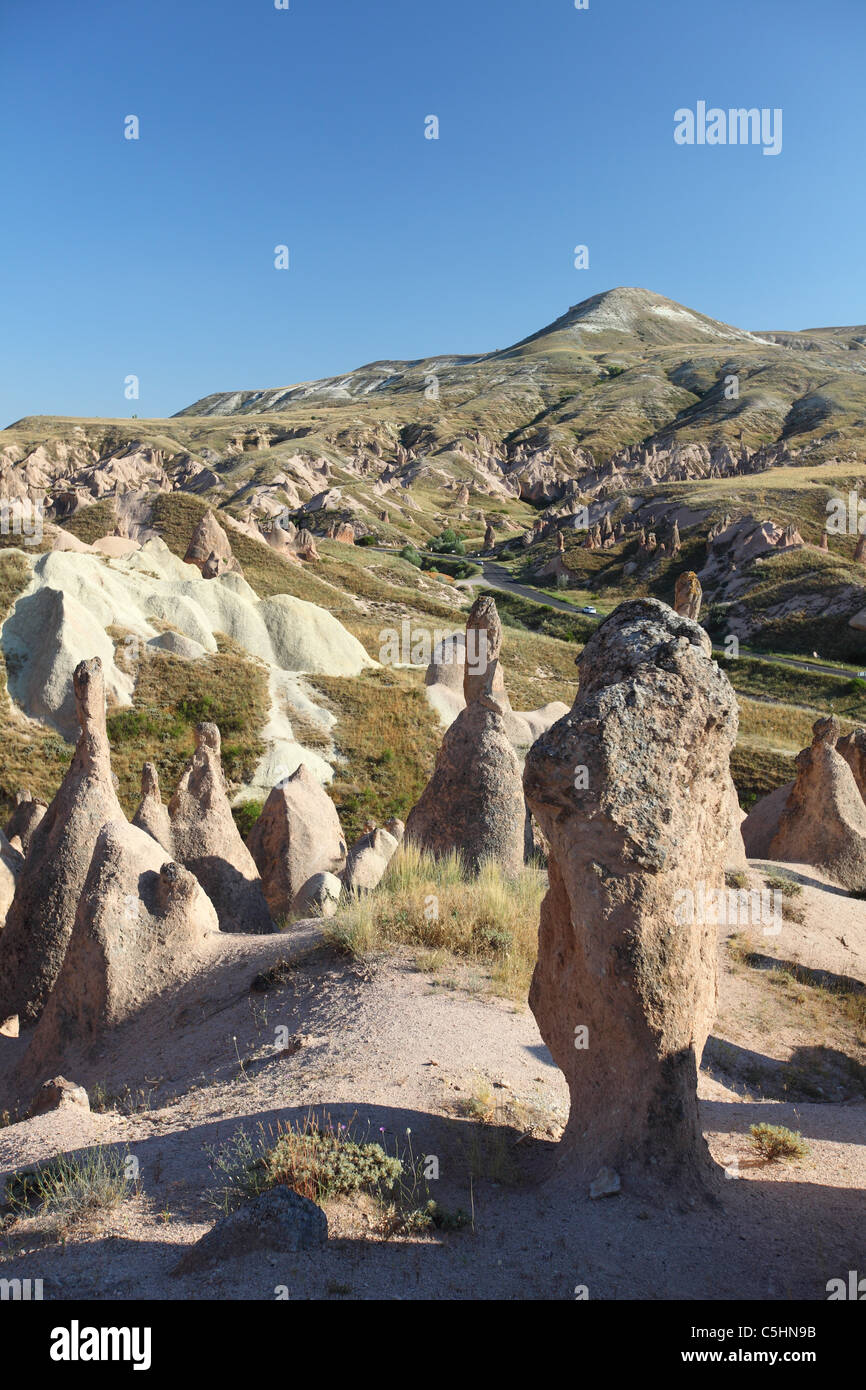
(25, 818)
(474, 802)
(139, 930)
(319, 896)
(687, 596)
(152, 814)
(852, 747)
(824, 820)
(298, 834)
(481, 651)
(859, 549)
(39, 923)
(368, 859)
(632, 790)
(11, 862)
(207, 841)
(210, 550)
(760, 826)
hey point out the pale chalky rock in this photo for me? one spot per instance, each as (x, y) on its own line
(298, 834)
(632, 790)
(824, 820)
(152, 814)
(207, 841)
(139, 931)
(368, 859)
(25, 818)
(39, 922)
(474, 802)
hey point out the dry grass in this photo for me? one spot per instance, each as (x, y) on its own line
(387, 736)
(436, 905)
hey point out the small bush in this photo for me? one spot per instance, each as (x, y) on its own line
(71, 1188)
(772, 1142)
(412, 555)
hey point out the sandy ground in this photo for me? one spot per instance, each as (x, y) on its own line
(396, 1049)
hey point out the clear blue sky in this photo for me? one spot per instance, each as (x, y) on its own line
(306, 127)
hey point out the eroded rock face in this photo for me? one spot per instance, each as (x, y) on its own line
(824, 820)
(152, 815)
(297, 835)
(688, 595)
(39, 923)
(139, 930)
(762, 822)
(207, 841)
(474, 802)
(632, 791)
(481, 652)
(25, 818)
(210, 549)
(11, 863)
(852, 748)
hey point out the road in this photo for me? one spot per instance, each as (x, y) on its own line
(496, 576)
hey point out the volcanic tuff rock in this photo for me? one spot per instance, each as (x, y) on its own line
(139, 930)
(474, 803)
(762, 822)
(852, 747)
(688, 594)
(298, 834)
(11, 862)
(824, 820)
(632, 791)
(367, 861)
(151, 814)
(210, 549)
(207, 841)
(39, 923)
(25, 818)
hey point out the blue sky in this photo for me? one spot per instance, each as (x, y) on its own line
(305, 127)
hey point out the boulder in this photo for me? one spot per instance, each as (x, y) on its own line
(58, 1094)
(474, 802)
(298, 834)
(39, 922)
(25, 818)
(824, 820)
(632, 791)
(320, 895)
(280, 1220)
(207, 841)
(368, 859)
(152, 815)
(139, 931)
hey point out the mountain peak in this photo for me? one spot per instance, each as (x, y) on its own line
(627, 314)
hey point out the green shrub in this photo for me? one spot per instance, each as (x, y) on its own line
(246, 815)
(772, 1142)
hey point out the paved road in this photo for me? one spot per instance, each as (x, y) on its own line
(496, 576)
